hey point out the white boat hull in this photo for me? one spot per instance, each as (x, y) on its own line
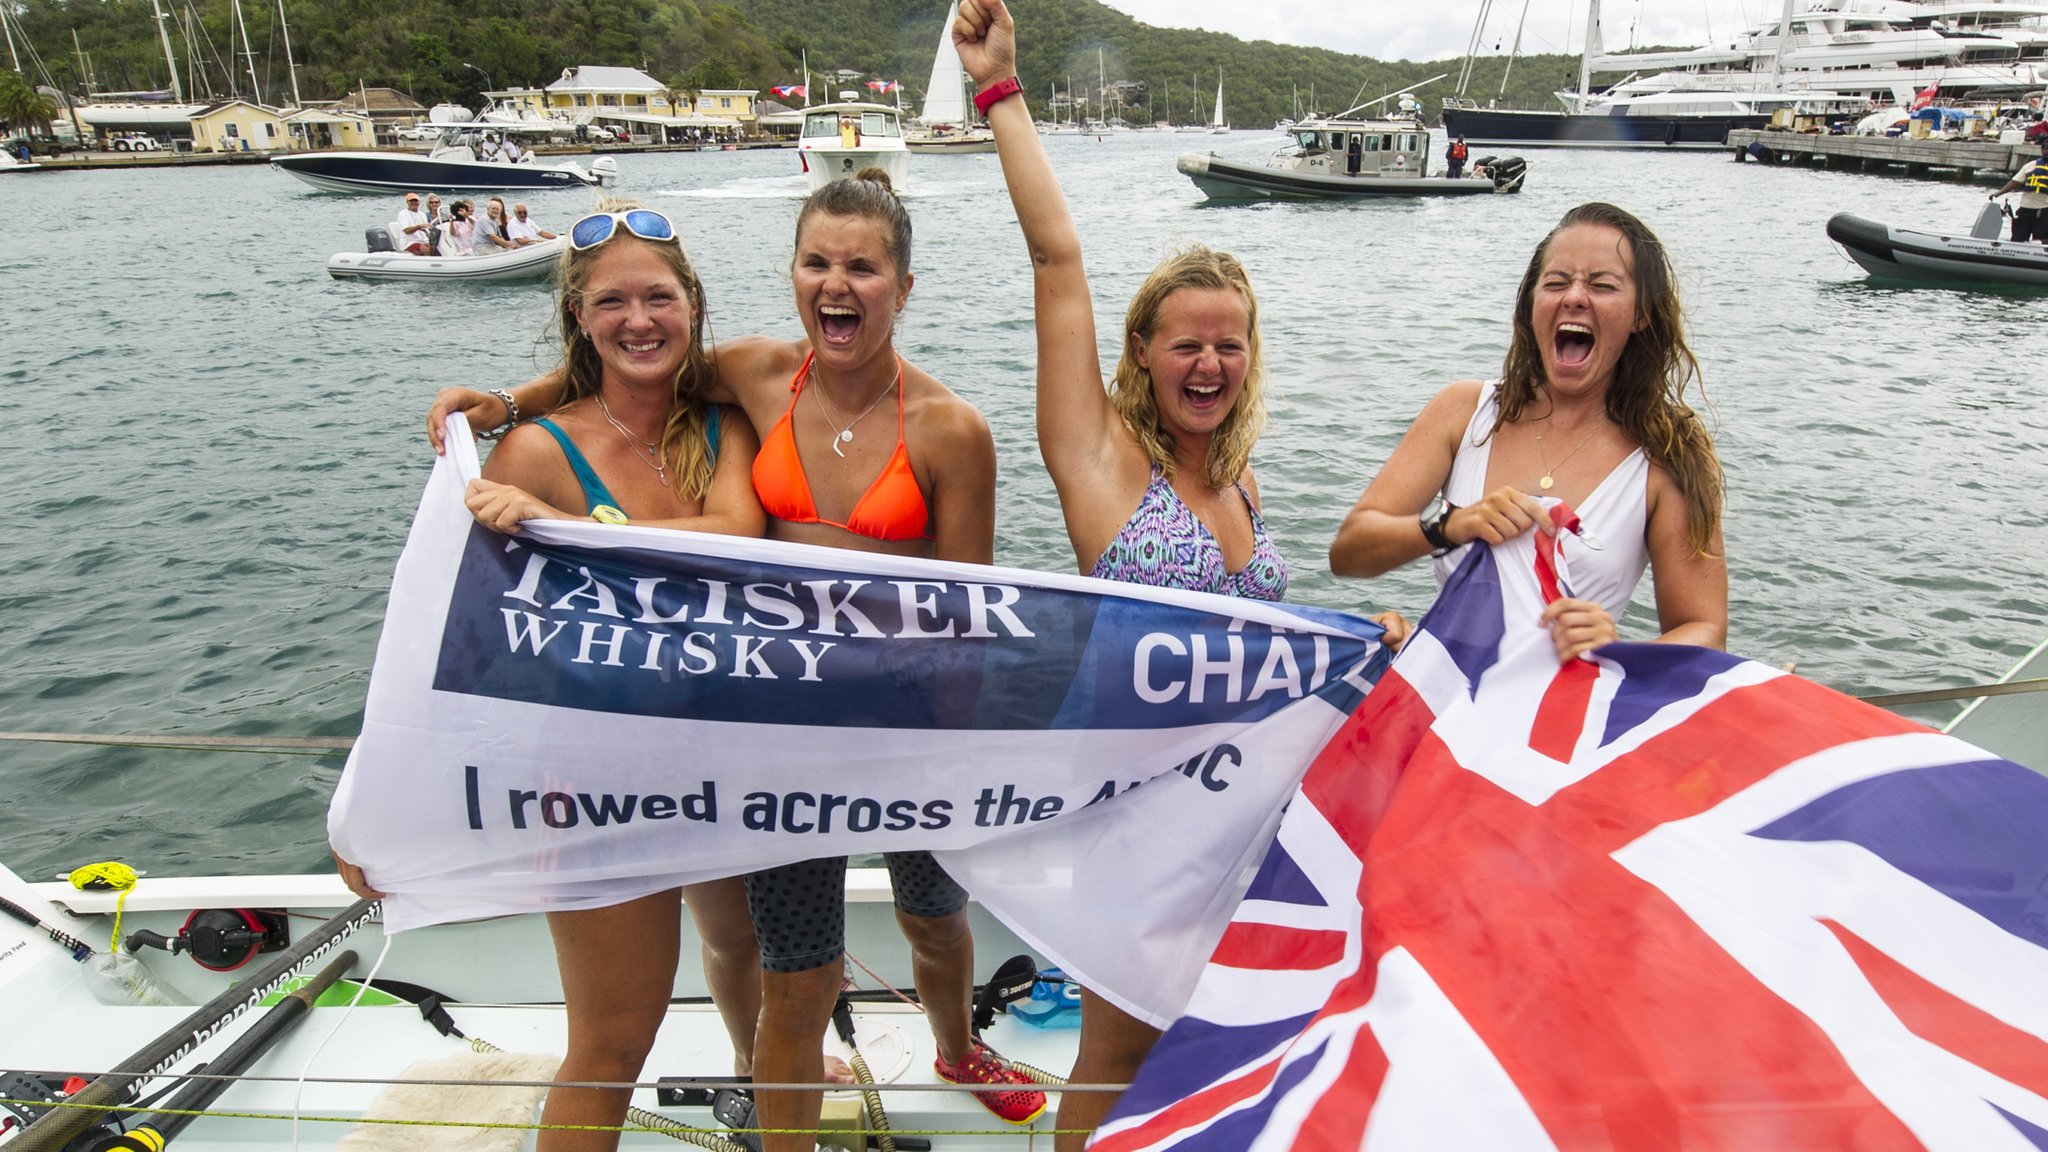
(498, 977)
(824, 165)
(533, 262)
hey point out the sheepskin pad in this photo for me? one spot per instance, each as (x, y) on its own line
(456, 1105)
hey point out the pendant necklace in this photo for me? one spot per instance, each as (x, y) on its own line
(649, 451)
(845, 435)
(1549, 478)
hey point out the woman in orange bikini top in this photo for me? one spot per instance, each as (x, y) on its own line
(891, 509)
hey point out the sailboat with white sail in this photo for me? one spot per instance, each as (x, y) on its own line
(1217, 124)
(945, 127)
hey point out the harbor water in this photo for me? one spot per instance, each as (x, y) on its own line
(214, 450)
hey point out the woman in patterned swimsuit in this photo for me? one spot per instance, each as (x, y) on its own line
(1154, 473)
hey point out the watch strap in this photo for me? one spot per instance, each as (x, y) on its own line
(995, 93)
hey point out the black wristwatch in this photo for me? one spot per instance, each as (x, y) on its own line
(1433, 529)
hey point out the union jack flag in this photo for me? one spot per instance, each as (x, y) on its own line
(787, 90)
(1668, 899)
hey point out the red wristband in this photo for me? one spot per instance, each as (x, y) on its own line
(1001, 90)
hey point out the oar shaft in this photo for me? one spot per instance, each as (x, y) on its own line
(158, 1129)
(56, 1128)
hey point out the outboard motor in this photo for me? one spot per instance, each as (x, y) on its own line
(605, 170)
(1507, 172)
(377, 238)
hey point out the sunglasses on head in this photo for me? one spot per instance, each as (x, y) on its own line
(599, 227)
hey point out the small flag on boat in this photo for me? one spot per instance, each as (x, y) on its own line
(787, 90)
(1926, 96)
(1667, 898)
(883, 86)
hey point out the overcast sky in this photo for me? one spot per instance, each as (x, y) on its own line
(1401, 30)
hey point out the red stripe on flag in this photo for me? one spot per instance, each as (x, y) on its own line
(1339, 1117)
(1353, 777)
(1270, 947)
(1200, 1108)
(1561, 716)
(1943, 1019)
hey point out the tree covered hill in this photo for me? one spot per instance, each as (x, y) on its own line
(442, 50)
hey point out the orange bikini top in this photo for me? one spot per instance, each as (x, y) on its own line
(892, 508)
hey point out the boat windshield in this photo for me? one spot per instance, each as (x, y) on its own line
(878, 124)
(821, 126)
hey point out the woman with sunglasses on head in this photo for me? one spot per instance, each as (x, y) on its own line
(1590, 409)
(633, 439)
(859, 450)
(1154, 472)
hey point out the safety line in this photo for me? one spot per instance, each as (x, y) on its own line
(631, 1129)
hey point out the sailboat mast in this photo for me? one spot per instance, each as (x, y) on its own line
(1509, 70)
(288, 64)
(807, 77)
(7, 26)
(1586, 59)
(164, 34)
(1784, 45)
(248, 53)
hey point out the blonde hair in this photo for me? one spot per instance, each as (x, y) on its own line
(1230, 450)
(686, 438)
(1647, 398)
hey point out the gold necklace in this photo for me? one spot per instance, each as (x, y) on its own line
(647, 450)
(845, 435)
(1549, 478)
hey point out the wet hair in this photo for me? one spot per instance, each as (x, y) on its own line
(685, 439)
(868, 195)
(1647, 398)
(1230, 450)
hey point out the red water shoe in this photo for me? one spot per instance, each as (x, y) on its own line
(1020, 1102)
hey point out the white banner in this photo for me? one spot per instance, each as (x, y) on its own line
(585, 713)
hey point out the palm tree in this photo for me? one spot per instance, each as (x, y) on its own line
(22, 108)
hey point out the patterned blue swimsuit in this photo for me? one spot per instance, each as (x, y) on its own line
(1165, 546)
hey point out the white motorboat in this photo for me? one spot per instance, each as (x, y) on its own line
(494, 980)
(841, 139)
(9, 162)
(1346, 158)
(451, 167)
(532, 262)
(1892, 252)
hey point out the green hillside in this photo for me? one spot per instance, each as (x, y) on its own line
(442, 50)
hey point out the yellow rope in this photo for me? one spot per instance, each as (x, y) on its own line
(108, 875)
(203, 1113)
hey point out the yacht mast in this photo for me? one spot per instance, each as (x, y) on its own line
(164, 34)
(1509, 70)
(288, 64)
(1586, 59)
(1784, 45)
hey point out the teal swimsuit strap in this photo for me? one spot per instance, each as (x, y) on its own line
(594, 491)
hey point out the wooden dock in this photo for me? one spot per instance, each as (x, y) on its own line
(1949, 159)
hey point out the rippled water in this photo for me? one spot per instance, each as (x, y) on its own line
(214, 450)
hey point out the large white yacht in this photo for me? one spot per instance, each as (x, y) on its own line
(1837, 55)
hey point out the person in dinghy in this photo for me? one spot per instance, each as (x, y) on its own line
(1590, 409)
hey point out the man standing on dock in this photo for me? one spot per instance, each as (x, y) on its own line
(2030, 220)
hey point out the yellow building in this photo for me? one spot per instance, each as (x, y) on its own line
(312, 128)
(731, 104)
(592, 91)
(238, 126)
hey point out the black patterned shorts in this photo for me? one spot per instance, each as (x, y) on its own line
(800, 909)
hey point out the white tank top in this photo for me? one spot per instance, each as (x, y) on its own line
(1615, 513)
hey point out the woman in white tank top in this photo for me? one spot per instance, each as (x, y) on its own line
(1590, 410)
